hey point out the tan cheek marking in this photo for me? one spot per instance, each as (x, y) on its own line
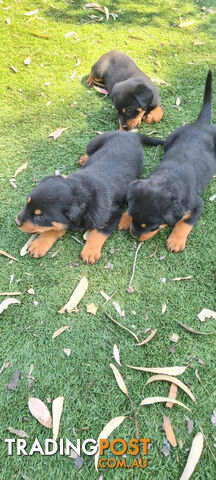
(37, 212)
(29, 199)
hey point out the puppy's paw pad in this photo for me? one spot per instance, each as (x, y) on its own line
(89, 256)
(37, 249)
(174, 244)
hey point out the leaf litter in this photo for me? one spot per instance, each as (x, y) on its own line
(76, 296)
(13, 382)
(8, 301)
(40, 411)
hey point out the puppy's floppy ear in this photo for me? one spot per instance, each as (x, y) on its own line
(131, 189)
(76, 211)
(144, 96)
(175, 212)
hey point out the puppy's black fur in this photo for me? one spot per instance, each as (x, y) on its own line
(133, 93)
(90, 199)
(170, 195)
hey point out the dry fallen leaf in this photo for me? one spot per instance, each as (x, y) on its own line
(10, 293)
(119, 379)
(8, 255)
(103, 294)
(152, 400)
(24, 249)
(147, 339)
(57, 408)
(198, 377)
(31, 291)
(40, 411)
(169, 431)
(27, 61)
(59, 331)
(166, 370)
(57, 133)
(7, 20)
(213, 418)
(14, 69)
(186, 24)
(172, 393)
(106, 432)
(206, 313)
(166, 448)
(212, 198)
(173, 380)
(178, 101)
(32, 12)
(67, 351)
(190, 329)
(91, 308)
(190, 426)
(116, 354)
(12, 183)
(101, 90)
(174, 337)
(164, 307)
(178, 279)
(13, 380)
(5, 304)
(20, 433)
(118, 309)
(122, 326)
(20, 169)
(193, 457)
(76, 296)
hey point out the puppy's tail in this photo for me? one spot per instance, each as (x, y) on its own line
(205, 114)
(146, 140)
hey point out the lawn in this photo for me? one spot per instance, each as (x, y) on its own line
(49, 93)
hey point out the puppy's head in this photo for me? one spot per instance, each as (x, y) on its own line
(153, 205)
(55, 203)
(131, 98)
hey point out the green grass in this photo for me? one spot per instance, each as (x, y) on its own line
(168, 53)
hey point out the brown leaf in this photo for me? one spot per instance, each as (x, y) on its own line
(5, 304)
(153, 400)
(76, 296)
(20, 169)
(119, 379)
(57, 133)
(206, 313)
(20, 433)
(40, 411)
(57, 408)
(166, 370)
(194, 456)
(106, 432)
(190, 329)
(13, 381)
(91, 308)
(59, 331)
(147, 339)
(174, 381)
(169, 431)
(174, 337)
(172, 394)
(8, 255)
(186, 24)
(116, 354)
(178, 279)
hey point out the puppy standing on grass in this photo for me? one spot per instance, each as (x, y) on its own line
(91, 199)
(170, 195)
(134, 95)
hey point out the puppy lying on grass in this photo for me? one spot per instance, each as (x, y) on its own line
(134, 95)
(90, 199)
(170, 195)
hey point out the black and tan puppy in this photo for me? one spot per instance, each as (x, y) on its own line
(134, 95)
(91, 199)
(170, 195)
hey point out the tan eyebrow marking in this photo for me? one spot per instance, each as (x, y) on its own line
(29, 199)
(37, 212)
(143, 225)
(123, 110)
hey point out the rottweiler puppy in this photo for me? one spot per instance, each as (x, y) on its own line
(90, 199)
(170, 195)
(134, 95)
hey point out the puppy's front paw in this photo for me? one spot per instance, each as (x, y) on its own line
(90, 254)
(38, 248)
(83, 160)
(124, 222)
(154, 116)
(175, 243)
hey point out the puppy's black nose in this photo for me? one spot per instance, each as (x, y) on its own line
(18, 222)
